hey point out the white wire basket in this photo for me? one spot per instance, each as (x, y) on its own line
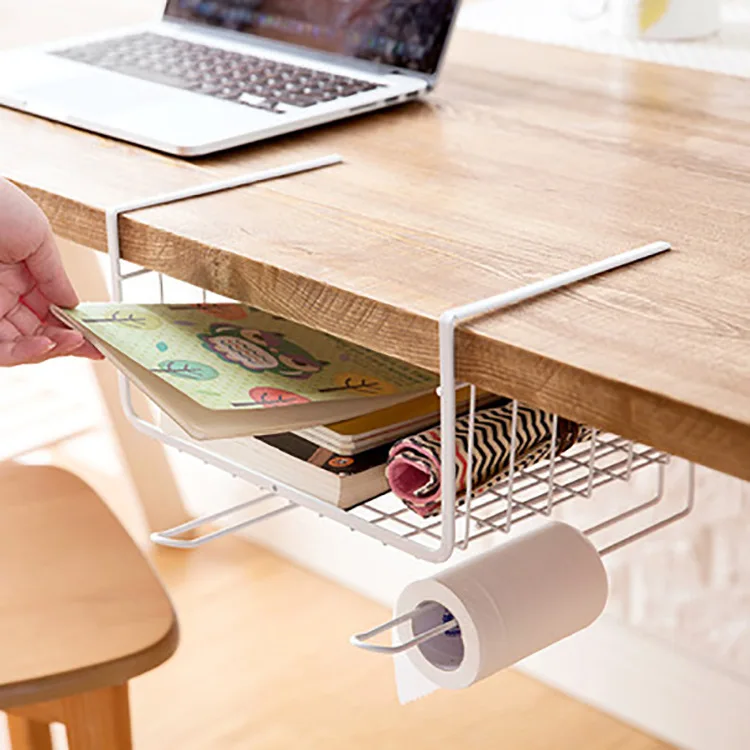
(522, 493)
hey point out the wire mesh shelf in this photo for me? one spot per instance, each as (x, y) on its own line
(531, 492)
(534, 492)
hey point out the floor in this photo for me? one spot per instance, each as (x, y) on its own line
(265, 664)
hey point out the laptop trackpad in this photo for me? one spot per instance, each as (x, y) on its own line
(118, 104)
(93, 94)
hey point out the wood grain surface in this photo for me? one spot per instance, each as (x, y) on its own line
(80, 607)
(527, 161)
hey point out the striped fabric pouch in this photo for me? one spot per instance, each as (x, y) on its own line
(413, 468)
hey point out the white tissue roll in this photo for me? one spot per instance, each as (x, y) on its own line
(510, 602)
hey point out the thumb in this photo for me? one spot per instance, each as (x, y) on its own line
(25, 350)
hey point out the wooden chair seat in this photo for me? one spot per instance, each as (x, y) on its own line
(81, 610)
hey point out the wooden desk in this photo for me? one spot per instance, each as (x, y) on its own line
(527, 161)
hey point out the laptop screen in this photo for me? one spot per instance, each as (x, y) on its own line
(401, 33)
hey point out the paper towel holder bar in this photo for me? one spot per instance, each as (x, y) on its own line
(362, 640)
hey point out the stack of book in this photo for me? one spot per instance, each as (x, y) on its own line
(342, 463)
(316, 412)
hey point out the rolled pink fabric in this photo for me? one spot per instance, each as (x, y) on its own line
(413, 469)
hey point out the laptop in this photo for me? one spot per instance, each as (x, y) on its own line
(214, 74)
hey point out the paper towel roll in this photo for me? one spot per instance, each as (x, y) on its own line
(510, 602)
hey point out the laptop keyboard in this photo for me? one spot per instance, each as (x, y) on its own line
(220, 73)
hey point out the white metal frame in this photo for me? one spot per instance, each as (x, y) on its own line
(522, 494)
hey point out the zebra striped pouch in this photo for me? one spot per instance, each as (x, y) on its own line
(413, 468)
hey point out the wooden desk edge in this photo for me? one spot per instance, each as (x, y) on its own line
(651, 418)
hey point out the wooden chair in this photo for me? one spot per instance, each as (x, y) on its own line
(81, 613)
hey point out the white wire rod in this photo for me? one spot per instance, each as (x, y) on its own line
(135, 274)
(447, 325)
(512, 465)
(170, 537)
(562, 485)
(360, 640)
(572, 485)
(566, 493)
(611, 469)
(469, 466)
(592, 460)
(552, 457)
(112, 214)
(678, 516)
(612, 520)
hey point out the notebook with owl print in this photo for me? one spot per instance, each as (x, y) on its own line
(229, 370)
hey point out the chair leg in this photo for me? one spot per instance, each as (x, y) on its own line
(27, 734)
(98, 720)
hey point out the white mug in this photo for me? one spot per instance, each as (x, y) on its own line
(655, 19)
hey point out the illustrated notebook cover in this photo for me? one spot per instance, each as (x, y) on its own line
(229, 358)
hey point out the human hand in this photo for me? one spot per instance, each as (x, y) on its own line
(31, 279)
